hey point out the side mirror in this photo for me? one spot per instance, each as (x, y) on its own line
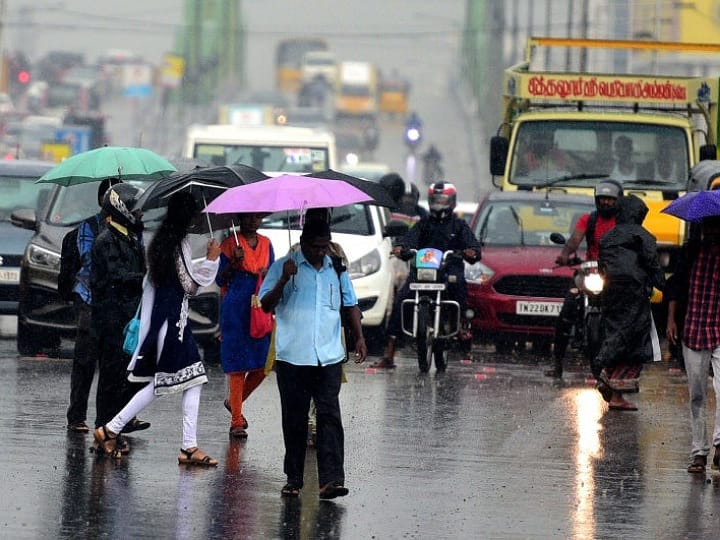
(557, 238)
(498, 155)
(24, 218)
(708, 151)
(395, 229)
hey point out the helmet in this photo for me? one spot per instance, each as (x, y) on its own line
(442, 198)
(119, 202)
(609, 189)
(395, 186)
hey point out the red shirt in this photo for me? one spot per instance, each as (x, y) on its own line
(702, 329)
(602, 225)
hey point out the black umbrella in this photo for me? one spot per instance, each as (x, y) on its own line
(204, 183)
(380, 195)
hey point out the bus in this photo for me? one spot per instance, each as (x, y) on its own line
(272, 149)
(288, 61)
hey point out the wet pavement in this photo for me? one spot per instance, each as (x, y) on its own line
(486, 450)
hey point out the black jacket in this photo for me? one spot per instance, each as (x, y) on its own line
(118, 268)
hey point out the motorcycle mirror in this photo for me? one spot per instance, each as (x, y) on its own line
(557, 238)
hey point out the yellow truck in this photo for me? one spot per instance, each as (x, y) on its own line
(567, 131)
(356, 90)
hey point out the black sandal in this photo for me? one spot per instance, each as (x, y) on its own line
(697, 465)
(290, 490)
(332, 490)
(106, 444)
(196, 456)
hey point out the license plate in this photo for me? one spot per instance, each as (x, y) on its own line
(427, 286)
(9, 275)
(538, 308)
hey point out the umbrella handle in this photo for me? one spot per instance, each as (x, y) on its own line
(237, 242)
(208, 218)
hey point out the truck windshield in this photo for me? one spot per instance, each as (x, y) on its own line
(580, 153)
(265, 158)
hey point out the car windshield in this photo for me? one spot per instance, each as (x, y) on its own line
(265, 158)
(18, 192)
(582, 153)
(350, 219)
(73, 204)
(527, 223)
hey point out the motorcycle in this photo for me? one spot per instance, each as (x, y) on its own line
(587, 328)
(430, 317)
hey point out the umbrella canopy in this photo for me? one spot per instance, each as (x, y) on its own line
(379, 194)
(124, 162)
(287, 192)
(204, 184)
(695, 206)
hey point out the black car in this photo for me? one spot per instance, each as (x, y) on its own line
(17, 190)
(43, 316)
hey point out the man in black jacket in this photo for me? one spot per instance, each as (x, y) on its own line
(116, 277)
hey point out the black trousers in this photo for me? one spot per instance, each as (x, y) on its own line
(297, 386)
(83, 366)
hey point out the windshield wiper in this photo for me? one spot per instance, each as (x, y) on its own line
(568, 177)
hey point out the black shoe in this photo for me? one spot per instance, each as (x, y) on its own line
(135, 425)
(78, 427)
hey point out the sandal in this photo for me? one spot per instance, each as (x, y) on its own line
(384, 363)
(290, 490)
(697, 465)
(195, 456)
(238, 432)
(226, 403)
(78, 427)
(104, 442)
(332, 490)
(605, 391)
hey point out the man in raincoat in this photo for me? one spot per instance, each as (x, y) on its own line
(629, 263)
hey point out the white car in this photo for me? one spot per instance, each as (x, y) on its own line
(359, 230)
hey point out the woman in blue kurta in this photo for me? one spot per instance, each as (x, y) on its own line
(245, 258)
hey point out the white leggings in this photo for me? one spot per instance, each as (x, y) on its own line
(143, 398)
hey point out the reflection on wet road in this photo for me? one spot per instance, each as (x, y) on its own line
(487, 450)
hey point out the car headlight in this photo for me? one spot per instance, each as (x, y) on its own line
(478, 273)
(38, 256)
(593, 283)
(365, 265)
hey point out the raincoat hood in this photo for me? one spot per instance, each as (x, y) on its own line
(631, 209)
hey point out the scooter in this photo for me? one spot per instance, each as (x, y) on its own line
(430, 318)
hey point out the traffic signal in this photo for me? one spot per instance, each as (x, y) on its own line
(23, 77)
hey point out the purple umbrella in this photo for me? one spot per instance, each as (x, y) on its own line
(286, 192)
(695, 206)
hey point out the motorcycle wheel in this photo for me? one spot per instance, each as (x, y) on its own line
(424, 339)
(593, 339)
(440, 354)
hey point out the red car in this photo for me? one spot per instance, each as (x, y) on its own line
(516, 290)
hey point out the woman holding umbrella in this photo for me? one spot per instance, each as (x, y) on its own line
(167, 358)
(244, 261)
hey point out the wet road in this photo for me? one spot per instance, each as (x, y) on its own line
(487, 450)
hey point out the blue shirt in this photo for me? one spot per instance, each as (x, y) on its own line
(308, 313)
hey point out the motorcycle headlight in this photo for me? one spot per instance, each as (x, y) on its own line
(365, 265)
(593, 283)
(426, 274)
(478, 273)
(38, 256)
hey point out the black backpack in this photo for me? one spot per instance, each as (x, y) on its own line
(70, 262)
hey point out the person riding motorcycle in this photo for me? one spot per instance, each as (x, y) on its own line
(589, 227)
(440, 230)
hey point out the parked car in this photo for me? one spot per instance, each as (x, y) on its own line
(517, 290)
(359, 229)
(17, 190)
(43, 317)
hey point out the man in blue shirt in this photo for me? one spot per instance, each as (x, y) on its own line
(305, 291)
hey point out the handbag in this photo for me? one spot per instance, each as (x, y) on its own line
(132, 333)
(261, 323)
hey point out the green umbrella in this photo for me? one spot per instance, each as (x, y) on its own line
(124, 162)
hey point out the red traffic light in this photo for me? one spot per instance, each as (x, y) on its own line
(23, 77)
